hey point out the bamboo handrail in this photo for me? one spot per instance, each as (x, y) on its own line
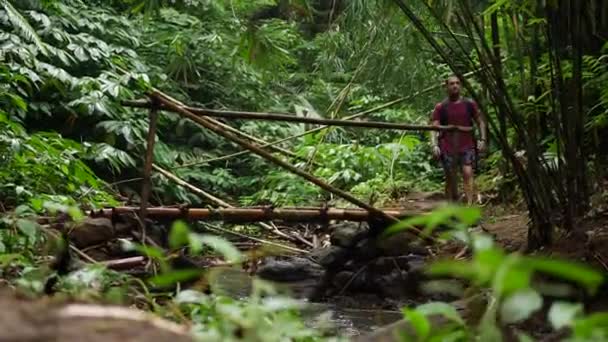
(246, 214)
(300, 119)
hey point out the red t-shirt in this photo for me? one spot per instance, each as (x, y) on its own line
(455, 141)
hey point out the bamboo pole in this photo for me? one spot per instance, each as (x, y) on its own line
(191, 187)
(215, 199)
(309, 214)
(299, 119)
(209, 124)
(148, 160)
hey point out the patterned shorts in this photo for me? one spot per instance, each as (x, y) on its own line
(466, 157)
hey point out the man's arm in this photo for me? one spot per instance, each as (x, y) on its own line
(481, 123)
(434, 134)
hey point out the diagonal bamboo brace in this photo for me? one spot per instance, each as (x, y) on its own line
(178, 108)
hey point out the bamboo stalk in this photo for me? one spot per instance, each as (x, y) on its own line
(190, 186)
(148, 160)
(217, 200)
(300, 119)
(257, 214)
(205, 122)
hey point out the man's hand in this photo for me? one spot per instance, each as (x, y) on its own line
(481, 146)
(436, 151)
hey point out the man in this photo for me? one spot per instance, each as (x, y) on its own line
(456, 148)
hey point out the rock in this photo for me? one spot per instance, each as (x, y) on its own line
(292, 269)
(384, 265)
(330, 257)
(91, 231)
(347, 235)
(392, 285)
(341, 279)
(416, 264)
(397, 244)
(366, 250)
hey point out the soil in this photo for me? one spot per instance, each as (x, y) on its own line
(46, 320)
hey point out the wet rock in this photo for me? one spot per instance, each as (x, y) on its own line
(366, 249)
(91, 231)
(393, 285)
(341, 279)
(399, 244)
(363, 281)
(348, 234)
(416, 264)
(384, 265)
(292, 269)
(331, 257)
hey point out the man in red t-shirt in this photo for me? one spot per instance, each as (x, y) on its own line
(456, 148)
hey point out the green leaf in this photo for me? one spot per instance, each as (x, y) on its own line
(20, 23)
(562, 314)
(455, 268)
(178, 236)
(569, 270)
(224, 247)
(150, 252)
(419, 322)
(174, 277)
(588, 326)
(522, 337)
(440, 308)
(29, 228)
(520, 305)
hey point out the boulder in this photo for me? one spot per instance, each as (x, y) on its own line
(401, 243)
(365, 250)
(331, 257)
(341, 279)
(348, 234)
(292, 269)
(393, 285)
(384, 265)
(91, 231)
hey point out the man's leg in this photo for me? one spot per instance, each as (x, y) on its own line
(451, 179)
(468, 177)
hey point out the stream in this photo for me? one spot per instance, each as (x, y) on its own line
(348, 321)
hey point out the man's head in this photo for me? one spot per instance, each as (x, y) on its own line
(452, 84)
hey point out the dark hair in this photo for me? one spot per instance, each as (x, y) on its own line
(453, 76)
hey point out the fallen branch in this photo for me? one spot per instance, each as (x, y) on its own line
(266, 242)
(120, 313)
(126, 263)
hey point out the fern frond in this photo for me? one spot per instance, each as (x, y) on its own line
(21, 24)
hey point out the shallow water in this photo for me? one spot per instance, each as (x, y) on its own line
(354, 322)
(346, 320)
